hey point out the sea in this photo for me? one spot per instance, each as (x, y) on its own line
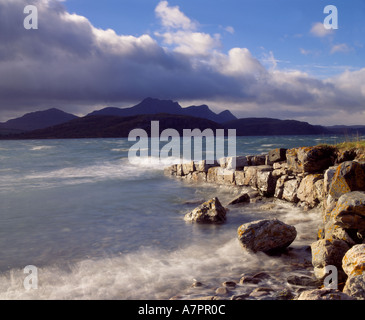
(93, 225)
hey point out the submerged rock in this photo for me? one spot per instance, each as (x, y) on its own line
(266, 235)
(210, 211)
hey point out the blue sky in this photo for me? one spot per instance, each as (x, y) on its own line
(281, 28)
(257, 58)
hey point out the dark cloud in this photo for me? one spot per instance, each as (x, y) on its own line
(70, 64)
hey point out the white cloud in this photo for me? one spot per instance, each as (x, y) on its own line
(229, 29)
(341, 47)
(172, 17)
(318, 30)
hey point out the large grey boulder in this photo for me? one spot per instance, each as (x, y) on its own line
(267, 235)
(210, 211)
(353, 263)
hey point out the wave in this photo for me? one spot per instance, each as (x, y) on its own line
(37, 148)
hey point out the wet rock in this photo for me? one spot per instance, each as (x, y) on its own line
(310, 159)
(243, 198)
(222, 291)
(266, 235)
(229, 284)
(240, 178)
(261, 292)
(188, 167)
(199, 176)
(284, 294)
(210, 211)
(324, 294)
(304, 281)
(254, 279)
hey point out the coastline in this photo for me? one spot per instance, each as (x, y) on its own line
(308, 178)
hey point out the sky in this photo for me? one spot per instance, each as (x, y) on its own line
(257, 58)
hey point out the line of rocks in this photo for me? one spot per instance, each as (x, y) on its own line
(310, 177)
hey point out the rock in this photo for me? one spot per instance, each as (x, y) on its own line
(349, 176)
(188, 167)
(353, 262)
(324, 294)
(290, 190)
(266, 235)
(233, 163)
(328, 176)
(239, 178)
(250, 176)
(355, 286)
(230, 284)
(310, 159)
(212, 174)
(307, 192)
(277, 155)
(304, 281)
(256, 160)
(171, 170)
(260, 292)
(327, 252)
(210, 211)
(349, 212)
(197, 176)
(243, 198)
(222, 291)
(204, 165)
(266, 182)
(346, 155)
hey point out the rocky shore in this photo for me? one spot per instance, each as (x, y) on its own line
(319, 177)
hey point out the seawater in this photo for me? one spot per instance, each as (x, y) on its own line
(98, 227)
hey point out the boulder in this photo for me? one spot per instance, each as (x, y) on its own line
(269, 235)
(290, 189)
(353, 264)
(188, 167)
(277, 155)
(355, 286)
(310, 159)
(239, 178)
(349, 176)
(266, 181)
(307, 192)
(198, 176)
(328, 176)
(210, 211)
(349, 212)
(324, 294)
(327, 252)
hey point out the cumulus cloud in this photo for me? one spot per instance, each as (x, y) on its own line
(318, 30)
(69, 63)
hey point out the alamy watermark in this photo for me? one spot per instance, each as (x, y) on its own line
(194, 145)
(331, 21)
(31, 20)
(31, 281)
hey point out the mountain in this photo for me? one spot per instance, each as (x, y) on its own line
(36, 120)
(353, 130)
(101, 126)
(156, 106)
(271, 127)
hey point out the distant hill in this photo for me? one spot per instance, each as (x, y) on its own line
(347, 130)
(36, 120)
(115, 126)
(271, 127)
(156, 106)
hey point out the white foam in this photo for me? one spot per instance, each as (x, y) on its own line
(37, 148)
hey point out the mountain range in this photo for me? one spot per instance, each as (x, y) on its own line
(118, 122)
